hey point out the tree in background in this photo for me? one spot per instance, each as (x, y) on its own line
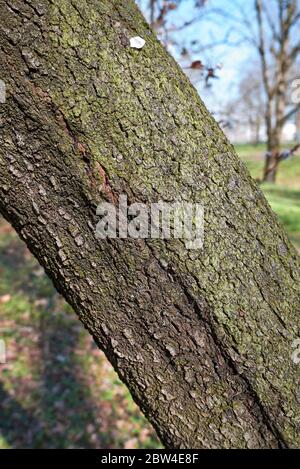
(272, 28)
(278, 46)
(168, 25)
(251, 102)
(173, 29)
(243, 114)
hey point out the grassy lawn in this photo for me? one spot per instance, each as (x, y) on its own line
(57, 390)
(284, 196)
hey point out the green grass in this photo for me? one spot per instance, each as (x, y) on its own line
(284, 196)
(57, 390)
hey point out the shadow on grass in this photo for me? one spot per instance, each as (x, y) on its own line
(17, 425)
(57, 390)
(59, 411)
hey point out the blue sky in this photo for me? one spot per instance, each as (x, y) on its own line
(212, 29)
(234, 58)
(238, 59)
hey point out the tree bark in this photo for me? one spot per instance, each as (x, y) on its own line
(203, 339)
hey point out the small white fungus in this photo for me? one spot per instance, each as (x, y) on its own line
(137, 42)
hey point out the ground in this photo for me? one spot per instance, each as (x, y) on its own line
(284, 196)
(57, 390)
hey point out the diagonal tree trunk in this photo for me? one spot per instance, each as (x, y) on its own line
(203, 339)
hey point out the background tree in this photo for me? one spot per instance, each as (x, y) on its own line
(242, 113)
(272, 29)
(278, 50)
(203, 339)
(172, 21)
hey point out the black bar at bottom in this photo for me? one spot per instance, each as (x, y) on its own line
(137, 458)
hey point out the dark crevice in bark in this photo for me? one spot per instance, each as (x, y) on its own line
(203, 314)
(232, 365)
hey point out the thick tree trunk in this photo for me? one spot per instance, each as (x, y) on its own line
(203, 339)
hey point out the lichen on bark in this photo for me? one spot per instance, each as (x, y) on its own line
(201, 338)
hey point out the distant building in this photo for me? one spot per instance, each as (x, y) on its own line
(241, 133)
(289, 132)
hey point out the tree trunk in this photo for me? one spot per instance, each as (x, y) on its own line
(272, 156)
(202, 338)
(275, 133)
(257, 130)
(273, 143)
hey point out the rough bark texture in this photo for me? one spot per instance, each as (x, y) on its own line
(201, 338)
